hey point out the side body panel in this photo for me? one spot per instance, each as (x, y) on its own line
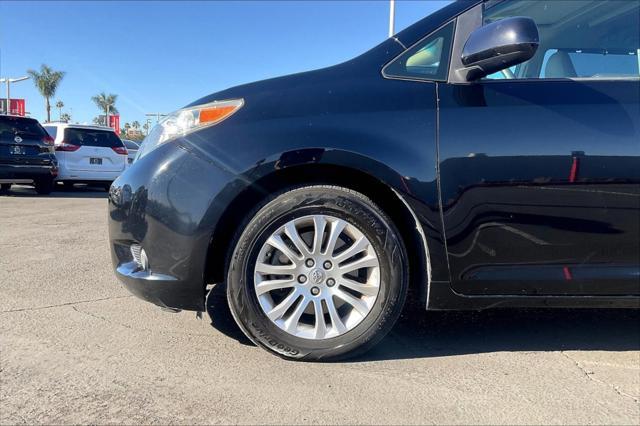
(541, 187)
(345, 117)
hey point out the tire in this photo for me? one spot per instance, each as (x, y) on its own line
(359, 324)
(5, 188)
(44, 186)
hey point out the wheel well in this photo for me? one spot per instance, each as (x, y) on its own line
(220, 247)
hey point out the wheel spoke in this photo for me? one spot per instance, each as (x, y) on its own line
(319, 223)
(320, 329)
(294, 236)
(358, 246)
(276, 241)
(291, 324)
(267, 269)
(337, 226)
(277, 312)
(364, 289)
(365, 262)
(271, 285)
(336, 322)
(358, 304)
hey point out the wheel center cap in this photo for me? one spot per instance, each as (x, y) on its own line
(316, 276)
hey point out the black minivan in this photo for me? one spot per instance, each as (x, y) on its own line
(486, 156)
(27, 154)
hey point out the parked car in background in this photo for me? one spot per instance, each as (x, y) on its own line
(320, 198)
(26, 154)
(87, 154)
(132, 148)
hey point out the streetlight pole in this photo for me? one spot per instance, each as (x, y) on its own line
(392, 17)
(8, 81)
(157, 115)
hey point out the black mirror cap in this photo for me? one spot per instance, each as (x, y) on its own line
(500, 45)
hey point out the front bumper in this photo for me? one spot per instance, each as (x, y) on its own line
(159, 289)
(169, 203)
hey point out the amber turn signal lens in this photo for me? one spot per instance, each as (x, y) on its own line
(214, 114)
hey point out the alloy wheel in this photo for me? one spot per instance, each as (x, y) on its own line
(317, 277)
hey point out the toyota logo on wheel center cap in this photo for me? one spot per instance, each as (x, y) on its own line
(316, 276)
(18, 139)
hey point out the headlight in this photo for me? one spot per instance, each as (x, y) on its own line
(188, 120)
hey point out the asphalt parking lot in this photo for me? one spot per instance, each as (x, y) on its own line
(77, 348)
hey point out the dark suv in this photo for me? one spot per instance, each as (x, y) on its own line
(486, 156)
(27, 155)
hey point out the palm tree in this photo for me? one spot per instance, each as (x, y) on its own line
(60, 105)
(65, 117)
(47, 81)
(135, 125)
(106, 103)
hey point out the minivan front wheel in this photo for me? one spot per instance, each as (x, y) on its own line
(319, 272)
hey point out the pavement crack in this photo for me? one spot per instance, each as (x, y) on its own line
(38, 308)
(75, 308)
(589, 375)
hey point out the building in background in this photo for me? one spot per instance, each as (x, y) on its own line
(134, 133)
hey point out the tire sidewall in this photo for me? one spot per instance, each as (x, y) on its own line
(344, 204)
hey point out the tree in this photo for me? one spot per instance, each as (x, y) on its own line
(60, 105)
(145, 126)
(46, 81)
(106, 103)
(136, 125)
(66, 117)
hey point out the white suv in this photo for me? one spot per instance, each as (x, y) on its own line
(87, 154)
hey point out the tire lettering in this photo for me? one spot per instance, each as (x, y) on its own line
(278, 347)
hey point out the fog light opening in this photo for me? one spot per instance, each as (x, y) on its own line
(140, 257)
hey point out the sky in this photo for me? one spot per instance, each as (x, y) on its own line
(158, 56)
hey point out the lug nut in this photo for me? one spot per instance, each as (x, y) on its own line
(309, 263)
(302, 279)
(327, 264)
(331, 282)
(315, 291)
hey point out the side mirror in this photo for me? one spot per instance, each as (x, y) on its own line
(499, 45)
